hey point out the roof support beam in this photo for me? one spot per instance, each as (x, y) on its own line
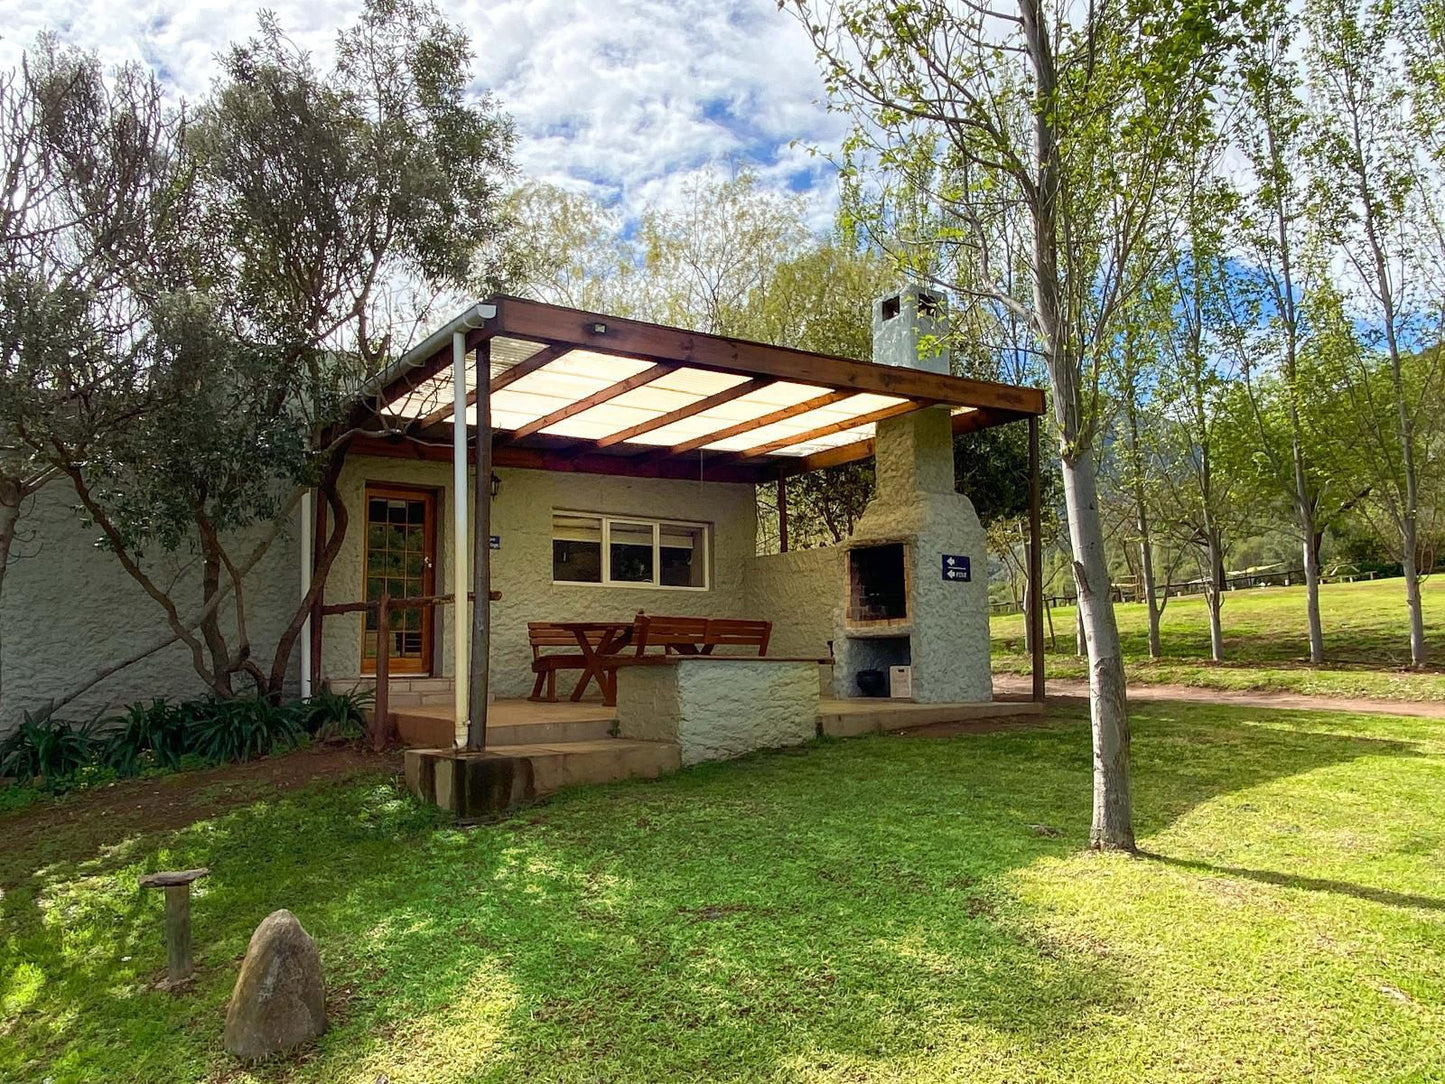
(614, 335)
(597, 398)
(727, 395)
(835, 427)
(968, 422)
(816, 403)
(501, 380)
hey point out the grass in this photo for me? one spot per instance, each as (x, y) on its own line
(883, 909)
(1265, 642)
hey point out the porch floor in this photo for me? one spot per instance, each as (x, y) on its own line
(528, 722)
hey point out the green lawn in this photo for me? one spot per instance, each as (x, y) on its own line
(1266, 643)
(882, 909)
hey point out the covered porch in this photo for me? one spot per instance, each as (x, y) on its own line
(621, 427)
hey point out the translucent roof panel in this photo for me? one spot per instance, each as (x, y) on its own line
(832, 440)
(744, 408)
(852, 407)
(438, 392)
(676, 390)
(558, 384)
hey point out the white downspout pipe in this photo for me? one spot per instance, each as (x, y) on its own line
(306, 522)
(461, 619)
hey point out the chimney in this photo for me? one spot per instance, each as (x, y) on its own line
(916, 564)
(909, 329)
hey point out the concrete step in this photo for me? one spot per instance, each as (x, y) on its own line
(609, 760)
(849, 719)
(399, 685)
(427, 730)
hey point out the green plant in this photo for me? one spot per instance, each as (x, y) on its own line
(157, 735)
(244, 728)
(43, 746)
(329, 714)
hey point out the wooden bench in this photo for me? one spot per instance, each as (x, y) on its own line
(698, 635)
(543, 635)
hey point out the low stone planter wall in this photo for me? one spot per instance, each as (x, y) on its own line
(716, 708)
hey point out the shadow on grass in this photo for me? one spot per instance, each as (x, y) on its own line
(850, 905)
(1309, 884)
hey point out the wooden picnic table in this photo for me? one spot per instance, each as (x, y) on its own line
(597, 640)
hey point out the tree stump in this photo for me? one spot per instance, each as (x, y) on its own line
(177, 885)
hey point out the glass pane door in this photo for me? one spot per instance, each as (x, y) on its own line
(400, 563)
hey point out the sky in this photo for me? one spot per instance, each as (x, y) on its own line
(625, 100)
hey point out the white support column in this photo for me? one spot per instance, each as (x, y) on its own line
(305, 639)
(461, 541)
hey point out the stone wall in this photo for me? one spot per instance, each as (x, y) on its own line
(522, 566)
(69, 608)
(800, 592)
(715, 709)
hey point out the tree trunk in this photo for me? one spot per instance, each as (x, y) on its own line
(325, 491)
(1312, 595)
(1112, 825)
(1146, 572)
(1108, 707)
(9, 518)
(1214, 595)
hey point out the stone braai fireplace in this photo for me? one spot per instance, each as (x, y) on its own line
(878, 585)
(916, 591)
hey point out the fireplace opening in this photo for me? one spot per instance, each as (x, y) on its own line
(877, 584)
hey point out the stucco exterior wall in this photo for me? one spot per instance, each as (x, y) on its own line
(69, 608)
(801, 593)
(522, 566)
(719, 710)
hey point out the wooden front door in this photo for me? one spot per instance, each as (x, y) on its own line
(400, 562)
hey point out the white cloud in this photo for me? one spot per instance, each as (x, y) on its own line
(624, 100)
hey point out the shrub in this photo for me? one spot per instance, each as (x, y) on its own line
(244, 728)
(154, 735)
(45, 746)
(330, 714)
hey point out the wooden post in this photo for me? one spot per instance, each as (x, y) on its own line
(317, 534)
(782, 512)
(481, 645)
(1036, 564)
(381, 706)
(179, 967)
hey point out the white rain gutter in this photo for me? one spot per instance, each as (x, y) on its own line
(306, 522)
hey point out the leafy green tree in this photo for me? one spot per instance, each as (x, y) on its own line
(90, 194)
(1040, 142)
(1265, 326)
(1369, 203)
(345, 199)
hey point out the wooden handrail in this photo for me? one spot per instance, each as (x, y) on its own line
(381, 707)
(412, 603)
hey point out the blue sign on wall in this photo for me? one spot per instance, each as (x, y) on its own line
(956, 568)
(496, 541)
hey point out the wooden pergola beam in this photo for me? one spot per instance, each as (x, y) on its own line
(727, 395)
(597, 398)
(566, 461)
(782, 414)
(614, 335)
(834, 427)
(537, 361)
(967, 422)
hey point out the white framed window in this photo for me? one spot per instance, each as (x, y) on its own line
(630, 551)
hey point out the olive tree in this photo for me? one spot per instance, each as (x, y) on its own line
(91, 192)
(345, 200)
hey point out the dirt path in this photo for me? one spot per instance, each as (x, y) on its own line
(1073, 690)
(72, 827)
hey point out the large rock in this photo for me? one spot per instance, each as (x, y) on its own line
(279, 1000)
